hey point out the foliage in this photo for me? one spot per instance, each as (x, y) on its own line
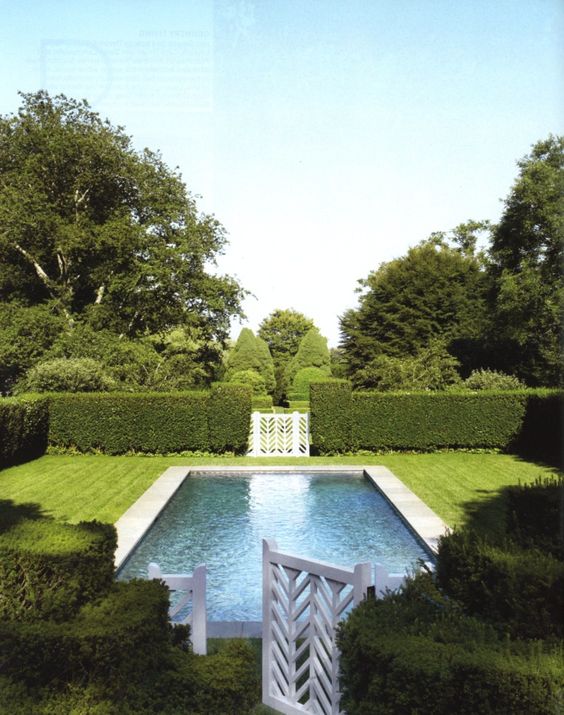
(283, 330)
(519, 590)
(486, 379)
(229, 417)
(67, 375)
(49, 569)
(26, 334)
(434, 291)
(251, 353)
(251, 378)
(415, 652)
(262, 402)
(102, 232)
(24, 426)
(302, 380)
(433, 368)
(526, 259)
(313, 352)
(330, 408)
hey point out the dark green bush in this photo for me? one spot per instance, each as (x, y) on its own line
(485, 379)
(251, 378)
(540, 436)
(330, 408)
(141, 422)
(518, 590)
(415, 653)
(433, 420)
(229, 415)
(49, 569)
(24, 425)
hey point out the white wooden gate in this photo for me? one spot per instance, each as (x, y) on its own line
(279, 435)
(303, 601)
(193, 592)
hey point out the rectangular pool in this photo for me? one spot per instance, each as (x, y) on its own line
(221, 519)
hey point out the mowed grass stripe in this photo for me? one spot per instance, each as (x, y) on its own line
(101, 487)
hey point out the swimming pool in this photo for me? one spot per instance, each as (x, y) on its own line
(221, 519)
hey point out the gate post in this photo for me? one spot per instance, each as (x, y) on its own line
(295, 434)
(256, 434)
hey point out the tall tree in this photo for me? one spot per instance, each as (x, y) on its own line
(313, 352)
(526, 268)
(102, 232)
(435, 291)
(251, 353)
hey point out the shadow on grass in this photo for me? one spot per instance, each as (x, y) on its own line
(12, 513)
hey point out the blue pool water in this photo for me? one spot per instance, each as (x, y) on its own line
(220, 520)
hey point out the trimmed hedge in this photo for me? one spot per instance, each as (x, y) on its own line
(330, 410)
(342, 420)
(262, 402)
(215, 421)
(24, 425)
(415, 653)
(49, 569)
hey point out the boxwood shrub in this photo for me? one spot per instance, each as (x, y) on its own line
(49, 569)
(24, 425)
(414, 653)
(331, 415)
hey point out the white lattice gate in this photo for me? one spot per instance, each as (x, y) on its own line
(303, 601)
(279, 435)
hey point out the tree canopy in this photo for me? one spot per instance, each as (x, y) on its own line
(104, 233)
(283, 331)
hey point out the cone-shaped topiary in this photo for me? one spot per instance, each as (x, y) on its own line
(313, 352)
(251, 353)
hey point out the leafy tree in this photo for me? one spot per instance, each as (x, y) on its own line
(435, 291)
(26, 335)
(313, 352)
(526, 262)
(251, 353)
(433, 368)
(283, 330)
(102, 232)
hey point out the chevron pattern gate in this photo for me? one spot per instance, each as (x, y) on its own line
(279, 435)
(303, 601)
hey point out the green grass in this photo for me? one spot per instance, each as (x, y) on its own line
(457, 485)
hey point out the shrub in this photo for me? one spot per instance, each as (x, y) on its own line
(251, 353)
(313, 352)
(302, 380)
(415, 653)
(24, 426)
(487, 379)
(49, 569)
(521, 590)
(251, 378)
(540, 436)
(116, 423)
(67, 375)
(330, 408)
(262, 402)
(229, 416)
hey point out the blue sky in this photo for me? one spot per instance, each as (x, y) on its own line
(327, 136)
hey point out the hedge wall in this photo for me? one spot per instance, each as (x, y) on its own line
(152, 422)
(342, 420)
(23, 429)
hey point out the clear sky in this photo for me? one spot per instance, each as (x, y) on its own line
(326, 135)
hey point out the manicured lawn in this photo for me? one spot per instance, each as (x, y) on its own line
(456, 485)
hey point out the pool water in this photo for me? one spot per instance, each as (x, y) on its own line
(220, 520)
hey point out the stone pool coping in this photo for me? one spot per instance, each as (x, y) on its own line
(133, 524)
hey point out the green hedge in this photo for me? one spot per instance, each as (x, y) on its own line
(415, 653)
(229, 414)
(214, 421)
(330, 410)
(23, 429)
(49, 569)
(342, 420)
(262, 402)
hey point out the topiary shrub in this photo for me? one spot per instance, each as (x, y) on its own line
(229, 417)
(302, 380)
(49, 569)
(486, 379)
(251, 353)
(313, 352)
(330, 409)
(262, 402)
(24, 428)
(67, 375)
(251, 378)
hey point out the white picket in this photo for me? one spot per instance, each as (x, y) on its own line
(278, 435)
